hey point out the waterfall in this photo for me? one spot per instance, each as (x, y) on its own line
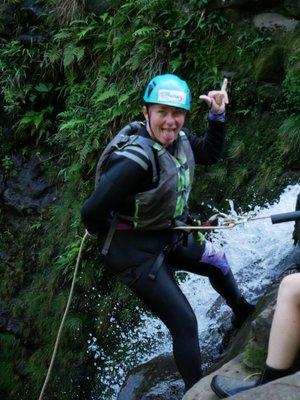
(254, 250)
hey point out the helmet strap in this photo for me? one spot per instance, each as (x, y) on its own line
(149, 122)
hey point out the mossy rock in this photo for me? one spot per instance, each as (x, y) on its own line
(254, 356)
(292, 79)
(292, 7)
(269, 67)
(268, 93)
(239, 3)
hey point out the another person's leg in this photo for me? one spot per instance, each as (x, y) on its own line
(284, 341)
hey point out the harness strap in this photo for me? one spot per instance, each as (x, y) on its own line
(109, 236)
(147, 145)
(161, 256)
(133, 157)
(156, 265)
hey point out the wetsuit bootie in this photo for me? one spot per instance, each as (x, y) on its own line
(241, 312)
(225, 386)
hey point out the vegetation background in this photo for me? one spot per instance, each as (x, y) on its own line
(66, 89)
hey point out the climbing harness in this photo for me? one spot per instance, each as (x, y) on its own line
(228, 223)
(64, 317)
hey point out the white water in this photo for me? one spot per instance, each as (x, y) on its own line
(256, 248)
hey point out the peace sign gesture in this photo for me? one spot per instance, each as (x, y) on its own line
(217, 99)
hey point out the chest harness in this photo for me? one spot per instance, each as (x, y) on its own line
(166, 204)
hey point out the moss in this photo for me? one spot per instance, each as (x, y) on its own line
(269, 67)
(254, 357)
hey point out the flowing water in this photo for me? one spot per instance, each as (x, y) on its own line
(254, 250)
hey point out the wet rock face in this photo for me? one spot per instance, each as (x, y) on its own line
(170, 390)
(157, 379)
(2, 185)
(29, 39)
(292, 7)
(240, 4)
(269, 67)
(28, 191)
(7, 323)
(97, 6)
(273, 22)
(7, 18)
(31, 9)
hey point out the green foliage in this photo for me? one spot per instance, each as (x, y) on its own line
(69, 96)
(289, 135)
(254, 357)
(291, 82)
(10, 368)
(38, 122)
(7, 163)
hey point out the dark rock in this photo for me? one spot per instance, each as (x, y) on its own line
(226, 73)
(7, 323)
(2, 182)
(7, 19)
(28, 191)
(7, 12)
(273, 22)
(268, 94)
(96, 6)
(170, 390)
(156, 379)
(242, 4)
(30, 38)
(269, 67)
(32, 8)
(292, 7)
(232, 14)
(3, 258)
(262, 324)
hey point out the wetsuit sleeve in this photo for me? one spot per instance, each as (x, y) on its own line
(208, 148)
(122, 177)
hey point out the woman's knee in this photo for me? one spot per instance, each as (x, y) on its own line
(185, 325)
(290, 288)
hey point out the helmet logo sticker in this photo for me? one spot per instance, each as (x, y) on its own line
(174, 96)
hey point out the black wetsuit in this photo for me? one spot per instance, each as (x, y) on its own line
(132, 254)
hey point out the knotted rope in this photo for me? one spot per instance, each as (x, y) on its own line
(228, 222)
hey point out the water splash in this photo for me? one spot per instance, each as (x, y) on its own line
(258, 244)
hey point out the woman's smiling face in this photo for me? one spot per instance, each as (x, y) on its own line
(164, 122)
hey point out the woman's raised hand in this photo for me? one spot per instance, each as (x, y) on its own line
(217, 99)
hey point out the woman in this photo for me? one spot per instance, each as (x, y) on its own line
(144, 178)
(284, 342)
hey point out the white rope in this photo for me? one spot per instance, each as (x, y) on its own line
(228, 222)
(64, 317)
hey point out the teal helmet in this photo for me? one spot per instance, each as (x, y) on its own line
(169, 90)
